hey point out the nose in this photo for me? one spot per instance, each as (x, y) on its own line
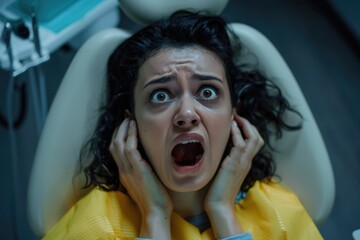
(186, 116)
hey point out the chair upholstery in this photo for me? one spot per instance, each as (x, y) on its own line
(53, 186)
(145, 11)
(302, 160)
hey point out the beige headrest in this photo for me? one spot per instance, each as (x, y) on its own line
(148, 11)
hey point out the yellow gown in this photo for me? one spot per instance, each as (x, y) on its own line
(269, 212)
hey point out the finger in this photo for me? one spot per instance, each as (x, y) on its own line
(239, 144)
(245, 126)
(237, 138)
(121, 133)
(251, 134)
(117, 145)
(260, 141)
(131, 145)
(252, 137)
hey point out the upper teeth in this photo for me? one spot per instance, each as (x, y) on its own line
(189, 141)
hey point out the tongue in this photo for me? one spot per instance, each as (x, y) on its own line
(187, 154)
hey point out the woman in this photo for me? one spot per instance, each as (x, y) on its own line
(180, 147)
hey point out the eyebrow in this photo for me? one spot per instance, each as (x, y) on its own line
(161, 80)
(197, 76)
(204, 77)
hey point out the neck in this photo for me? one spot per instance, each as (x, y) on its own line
(188, 204)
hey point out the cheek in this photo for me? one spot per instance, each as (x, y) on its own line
(145, 130)
(151, 123)
(151, 130)
(219, 133)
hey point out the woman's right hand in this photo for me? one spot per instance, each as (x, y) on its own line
(141, 183)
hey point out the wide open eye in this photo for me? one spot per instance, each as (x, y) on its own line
(160, 96)
(208, 93)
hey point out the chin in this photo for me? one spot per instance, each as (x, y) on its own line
(192, 184)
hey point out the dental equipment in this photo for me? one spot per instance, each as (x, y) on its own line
(38, 88)
(6, 38)
(17, 25)
(19, 55)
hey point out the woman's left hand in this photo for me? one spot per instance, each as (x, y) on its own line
(220, 198)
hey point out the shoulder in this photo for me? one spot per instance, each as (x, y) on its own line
(99, 214)
(277, 211)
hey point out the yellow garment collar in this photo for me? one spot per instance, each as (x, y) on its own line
(268, 212)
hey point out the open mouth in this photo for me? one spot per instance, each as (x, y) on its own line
(187, 153)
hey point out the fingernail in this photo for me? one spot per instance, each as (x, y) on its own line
(132, 123)
(234, 124)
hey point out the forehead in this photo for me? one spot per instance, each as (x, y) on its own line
(173, 60)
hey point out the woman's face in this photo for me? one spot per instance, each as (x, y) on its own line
(183, 112)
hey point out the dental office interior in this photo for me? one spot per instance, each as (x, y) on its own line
(318, 39)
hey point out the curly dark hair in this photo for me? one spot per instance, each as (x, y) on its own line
(255, 97)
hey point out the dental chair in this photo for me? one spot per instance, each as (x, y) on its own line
(301, 157)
